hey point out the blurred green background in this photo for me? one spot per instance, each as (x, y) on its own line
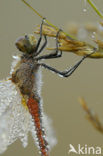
(60, 95)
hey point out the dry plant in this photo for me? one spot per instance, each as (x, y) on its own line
(91, 116)
(68, 43)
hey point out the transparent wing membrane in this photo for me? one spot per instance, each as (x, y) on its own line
(15, 120)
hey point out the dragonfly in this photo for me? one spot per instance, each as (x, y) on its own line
(68, 43)
(20, 99)
(21, 108)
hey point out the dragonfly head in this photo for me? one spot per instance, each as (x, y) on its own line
(26, 44)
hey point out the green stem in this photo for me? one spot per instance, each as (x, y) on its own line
(34, 10)
(95, 8)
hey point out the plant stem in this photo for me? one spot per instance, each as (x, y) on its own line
(52, 25)
(95, 8)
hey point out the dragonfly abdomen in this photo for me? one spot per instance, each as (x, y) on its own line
(35, 111)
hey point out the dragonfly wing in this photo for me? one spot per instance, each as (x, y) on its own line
(15, 120)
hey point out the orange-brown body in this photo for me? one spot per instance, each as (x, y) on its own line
(25, 77)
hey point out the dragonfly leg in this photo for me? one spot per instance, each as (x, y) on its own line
(39, 41)
(65, 73)
(57, 53)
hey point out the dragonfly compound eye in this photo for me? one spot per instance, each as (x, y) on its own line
(26, 44)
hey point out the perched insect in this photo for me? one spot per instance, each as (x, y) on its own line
(21, 93)
(20, 101)
(68, 43)
(25, 83)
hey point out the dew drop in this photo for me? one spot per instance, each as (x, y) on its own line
(84, 10)
(60, 75)
(85, 6)
(93, 35)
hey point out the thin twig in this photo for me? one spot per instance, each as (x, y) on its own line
(48, 22)
(91, 116)
(95, 8)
